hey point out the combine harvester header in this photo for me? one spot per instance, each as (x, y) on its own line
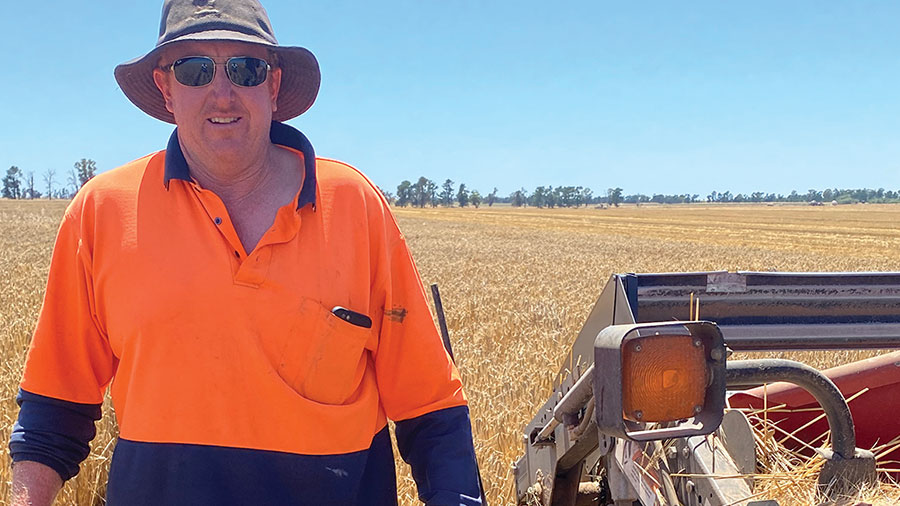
(652, 364)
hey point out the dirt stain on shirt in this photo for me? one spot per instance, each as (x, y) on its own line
(397, 314)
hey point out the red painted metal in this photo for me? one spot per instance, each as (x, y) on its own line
(876, 412)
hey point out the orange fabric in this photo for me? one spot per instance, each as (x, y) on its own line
(210, 345)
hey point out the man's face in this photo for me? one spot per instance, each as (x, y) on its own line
(220, 122)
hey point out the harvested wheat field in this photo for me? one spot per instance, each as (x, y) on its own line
(516, 284)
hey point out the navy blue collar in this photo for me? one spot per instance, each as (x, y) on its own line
(284, 135)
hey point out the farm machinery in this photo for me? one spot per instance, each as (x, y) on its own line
(650, 407)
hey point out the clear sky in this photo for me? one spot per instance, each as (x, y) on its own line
(654, 97)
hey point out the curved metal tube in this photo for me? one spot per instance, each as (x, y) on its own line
(756, 372)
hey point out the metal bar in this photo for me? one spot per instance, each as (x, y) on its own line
(756, 372)
(577, 397)
(773, 307)
(571, 403)
(547, 431)
(825, 336)
(442, 322)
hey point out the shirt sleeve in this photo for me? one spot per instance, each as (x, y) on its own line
(53, 432)
(415, 373)
(69, 362)
(438, 448)
(421, 391)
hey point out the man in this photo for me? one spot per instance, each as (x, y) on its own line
(254, 309)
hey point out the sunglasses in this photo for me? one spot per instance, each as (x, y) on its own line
(196, 71)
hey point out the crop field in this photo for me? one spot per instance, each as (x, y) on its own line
(517, 284)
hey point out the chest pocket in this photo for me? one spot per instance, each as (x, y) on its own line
(324, 358)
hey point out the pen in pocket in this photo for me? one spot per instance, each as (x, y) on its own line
(352, 317)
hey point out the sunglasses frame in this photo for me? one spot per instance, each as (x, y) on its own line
(215, 64)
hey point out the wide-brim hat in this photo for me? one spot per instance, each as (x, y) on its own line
(221, 20)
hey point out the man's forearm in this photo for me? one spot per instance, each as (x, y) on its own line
(34, 484)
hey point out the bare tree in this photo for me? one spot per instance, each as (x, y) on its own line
(73, 181)
(48, 180)
(30, 180)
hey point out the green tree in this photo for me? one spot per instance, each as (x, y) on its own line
(12, 188)
(614, 196)
(475, 198)
(462, 196)
(492, 197)
(85, 169)
(431, 192)
(518, 198)
(568, 196)
(447, 193)
(551, 198)
(420, 192)
(404, 193)
(538, 197)
(587, 195)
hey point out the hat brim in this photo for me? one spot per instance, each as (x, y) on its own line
(300, 77)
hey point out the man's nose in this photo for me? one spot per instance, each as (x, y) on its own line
(221, 85)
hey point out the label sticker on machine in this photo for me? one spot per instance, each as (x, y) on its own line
(637, 467)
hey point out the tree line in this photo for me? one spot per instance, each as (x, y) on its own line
(20, 185)
(426, 193)
(812, 196)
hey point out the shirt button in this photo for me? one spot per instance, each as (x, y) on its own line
(218, 220)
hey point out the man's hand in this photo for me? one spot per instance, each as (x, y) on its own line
(34, 484)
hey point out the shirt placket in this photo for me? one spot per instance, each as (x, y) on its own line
(251, 268)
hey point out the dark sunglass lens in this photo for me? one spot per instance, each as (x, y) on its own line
(194, 71)
(246, 71)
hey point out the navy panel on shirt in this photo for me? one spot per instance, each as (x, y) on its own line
(180, 474)
(437, 445)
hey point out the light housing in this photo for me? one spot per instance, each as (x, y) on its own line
(659, 380)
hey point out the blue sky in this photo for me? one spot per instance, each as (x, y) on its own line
(653, 97)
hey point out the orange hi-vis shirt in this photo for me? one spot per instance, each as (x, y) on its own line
(203, 343)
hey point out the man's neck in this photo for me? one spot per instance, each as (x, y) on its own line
(253, 193)
(234, 182)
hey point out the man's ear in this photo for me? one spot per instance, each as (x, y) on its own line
(274, 81)
(161, 79)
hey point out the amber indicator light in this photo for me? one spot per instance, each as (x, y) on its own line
(664, 378)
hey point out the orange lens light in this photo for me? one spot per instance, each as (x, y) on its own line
(664, 378)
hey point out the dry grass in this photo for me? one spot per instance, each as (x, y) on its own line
(27, 231)
(516, 284)
(791, 477)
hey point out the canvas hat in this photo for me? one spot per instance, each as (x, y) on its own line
(222, 20)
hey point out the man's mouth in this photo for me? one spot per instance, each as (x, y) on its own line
(224, 120)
